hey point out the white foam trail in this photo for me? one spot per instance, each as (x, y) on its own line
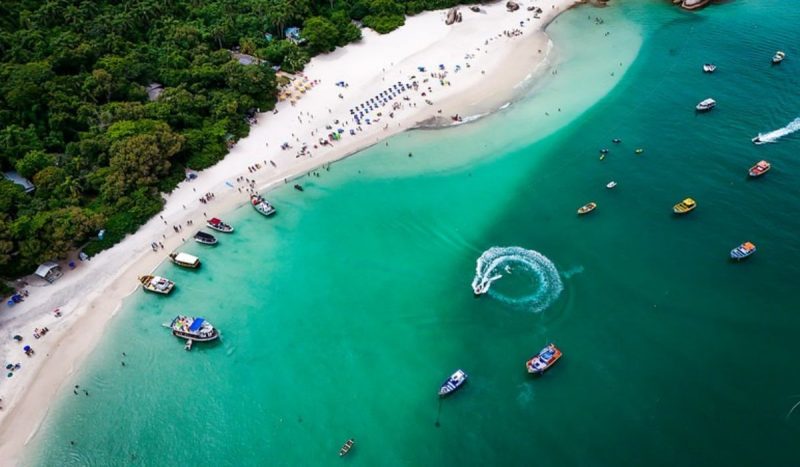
(548, 282)
(572, 271)
(774, 136)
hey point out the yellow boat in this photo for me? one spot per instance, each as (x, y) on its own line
(587, 208)
(684, 206)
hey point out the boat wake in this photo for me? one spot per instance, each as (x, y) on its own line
(774, 136)
(498, 260)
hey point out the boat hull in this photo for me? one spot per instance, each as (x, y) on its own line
(218, 229)
(196, 338)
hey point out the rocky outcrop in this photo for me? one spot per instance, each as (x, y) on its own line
(453, 16)
(512, 6)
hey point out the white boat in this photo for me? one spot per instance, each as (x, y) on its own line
(261, 205)
(480, 287)
(778, 57)
(219, 226)
(455, 381)
(196, 329)
(611, 184)
(157, 284)
(706, 104)
(185, 260)
(709, 68)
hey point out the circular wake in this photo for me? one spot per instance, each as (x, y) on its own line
(497, 261)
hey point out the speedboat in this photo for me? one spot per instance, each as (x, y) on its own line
(157, 284)
(743, 251)
(778, 57)
(185, 260)
(638, 150)
(453, 383)
(706, 104)
(348, 445)
(611, 184)
(481, 287)
(205, 238)
(616, 140)
(684, 206)
(546, 358)
(760, 168)
(219, 226)
(757, 139)
(196, 329)
(261, 205)
(709, 68)
(587, 208)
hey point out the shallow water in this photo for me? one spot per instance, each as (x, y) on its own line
(342, 315)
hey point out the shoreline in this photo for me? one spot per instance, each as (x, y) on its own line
(111, 275)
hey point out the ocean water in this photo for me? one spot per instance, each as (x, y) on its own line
(341, 315)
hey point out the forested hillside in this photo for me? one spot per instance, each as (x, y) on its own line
(76, 120)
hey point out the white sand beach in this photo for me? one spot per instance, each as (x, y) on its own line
(484, 59)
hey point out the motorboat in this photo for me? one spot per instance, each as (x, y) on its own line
(157, 284)
(205, 238)
(743, 251)
(684, 206)
(261, 205)
(453, 383)
(610, 185)
(348, 445)
(638, 150)
(760, 169)
(587, 208)
(706, 104)
(185, 260)
(757, 139)
(480, 287)
(778, 57)
(196, 329)
(709, 68)
(219, 226)
(542, 361)
(616, 140)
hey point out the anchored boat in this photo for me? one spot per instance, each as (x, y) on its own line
(546, 358)
(219, 226)
(610, 185)
(157, 284)
(261, 205)
(706, 104)
(348, 445)
(709, 68)
(185, 260)
(778, 57)
(743, 251)
(195, 329)
(587, 208)
(760, 169)
(205, 238)
(453, 383)
(684, 206)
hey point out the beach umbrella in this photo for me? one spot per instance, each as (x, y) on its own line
(9, 366)
(10, 375)
(17, 337)
(27, 348)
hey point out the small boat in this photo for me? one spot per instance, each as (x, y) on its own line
(205, 238)
(604, 151)
(760, 169)
(261, 205)
(743, 251)
(709, 68)
(757, 139)
(546, 358)
(348, 445)
(616, 140)
(455, 381)
(481, 287)
(188, 345)
(611, 184)
(219, 226)
(587, 208)
(684, 206)
(706, 104)
(195, 329)
(298, 187)
(602, 156)
(778, 57)
(185, 260)
(639, 150)
(157, 284)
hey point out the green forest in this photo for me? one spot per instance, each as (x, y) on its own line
(76, 120)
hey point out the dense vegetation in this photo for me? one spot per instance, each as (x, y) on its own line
(75, 117)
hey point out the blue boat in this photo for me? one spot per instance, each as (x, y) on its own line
(455, 381)
(743, 251)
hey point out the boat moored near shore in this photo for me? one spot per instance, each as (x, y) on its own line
(157, 284)
(205, 238)
(219, 226)
(195, 329)
(261, 205)
(185, 260)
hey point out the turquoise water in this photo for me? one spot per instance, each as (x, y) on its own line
(343, 314)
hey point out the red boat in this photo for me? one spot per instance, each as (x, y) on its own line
(218, 225)
(546, 358)
(760, 169)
